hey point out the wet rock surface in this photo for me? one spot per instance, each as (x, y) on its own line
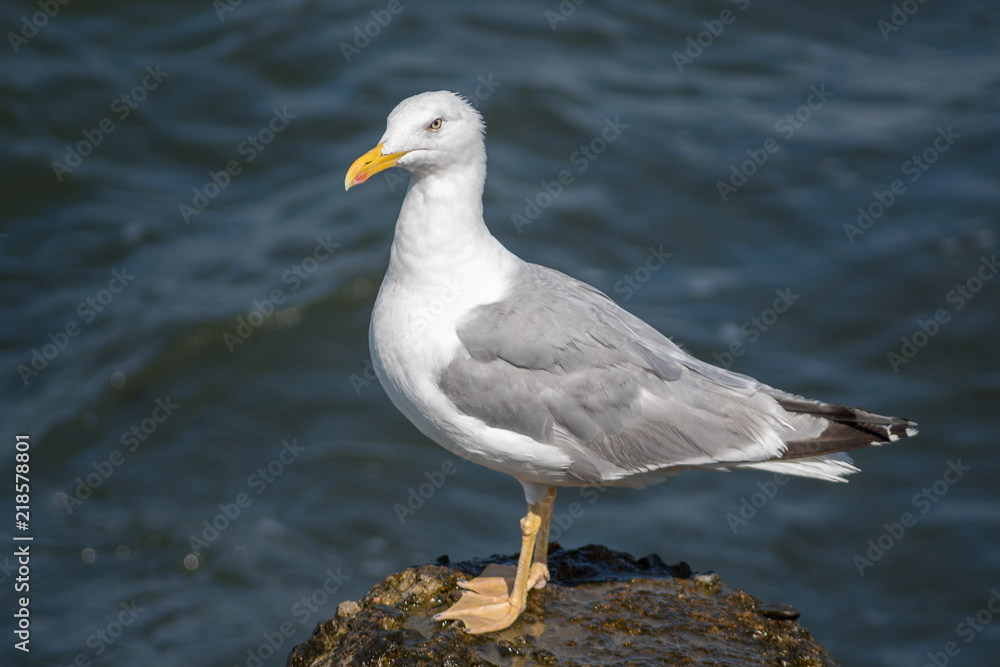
(602, 607)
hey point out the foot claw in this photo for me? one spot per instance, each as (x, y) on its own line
(481, 613)
(538, 576)
(485, 606)
(493, 600)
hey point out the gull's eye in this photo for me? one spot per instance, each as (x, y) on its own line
(435, 124)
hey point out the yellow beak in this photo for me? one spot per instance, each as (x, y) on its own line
(370, 164)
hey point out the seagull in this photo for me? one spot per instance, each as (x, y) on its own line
(525, 370)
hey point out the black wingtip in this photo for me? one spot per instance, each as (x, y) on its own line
(847, 429)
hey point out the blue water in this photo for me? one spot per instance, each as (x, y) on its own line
(176, 349)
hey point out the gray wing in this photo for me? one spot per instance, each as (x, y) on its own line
(560, 362)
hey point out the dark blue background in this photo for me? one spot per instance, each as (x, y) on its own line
(330, 517)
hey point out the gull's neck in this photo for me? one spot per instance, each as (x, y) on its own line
(440, 234)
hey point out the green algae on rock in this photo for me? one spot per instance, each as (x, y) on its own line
(601, 607)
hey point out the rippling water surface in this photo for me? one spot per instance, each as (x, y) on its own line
(186, 294)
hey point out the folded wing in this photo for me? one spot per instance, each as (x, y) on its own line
(558, 361)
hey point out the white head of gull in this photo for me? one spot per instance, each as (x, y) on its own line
(527, 371)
